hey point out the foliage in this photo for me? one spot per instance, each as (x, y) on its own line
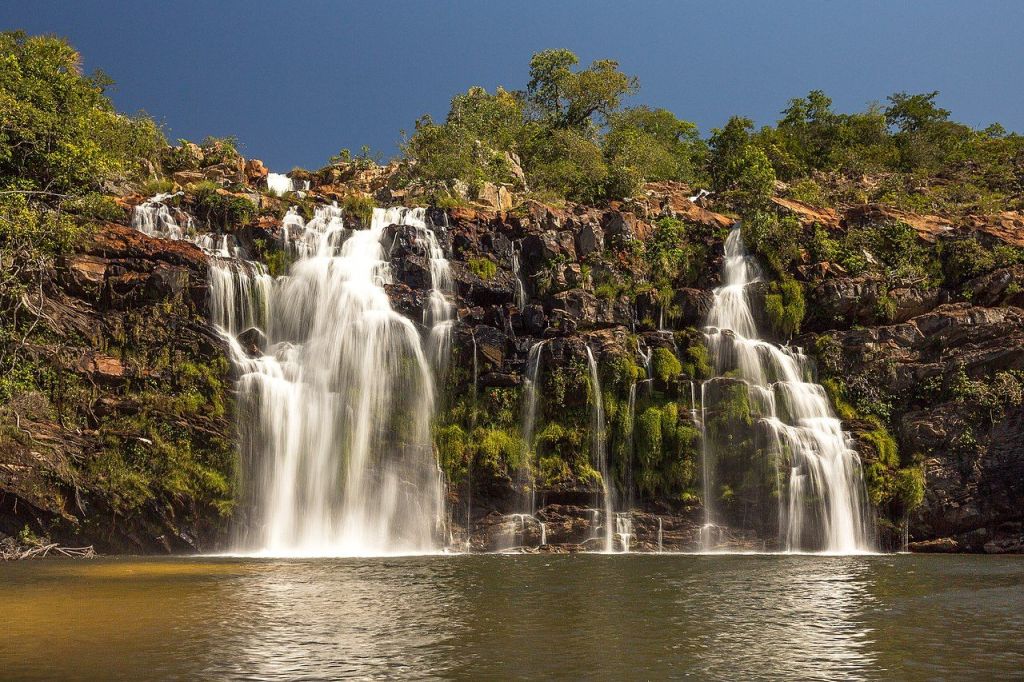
(567, 99)
(359, 206)
(220, 208)
(60, 133)
(776, 240)
(739, 169)
(785, 306)
(665, 365)
(484, 268)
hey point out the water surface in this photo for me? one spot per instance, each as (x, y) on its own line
(487, 617)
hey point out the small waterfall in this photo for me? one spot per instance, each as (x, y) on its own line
(438, 316)
(624, 529)
(154, 218)
(516, 535)
(599, 450)
(520, 287)
(707, 536)
(279, 183)
(823, 504)
(660, 537)
(647, 355)
(335, 414)
(525, 476)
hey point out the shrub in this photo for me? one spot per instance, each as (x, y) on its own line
(219, 208)
(60, 132)
(359, 206)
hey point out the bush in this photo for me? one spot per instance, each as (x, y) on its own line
(665, 365)
(219, 208)
(359, 206)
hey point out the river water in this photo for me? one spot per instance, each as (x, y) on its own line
(497, 617)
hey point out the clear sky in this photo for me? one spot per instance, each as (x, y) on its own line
(297, 81)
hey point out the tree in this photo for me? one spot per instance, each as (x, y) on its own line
(496, 120)
(59, 131)
(911, 113)
(654, 144)
(573, 99)
(739, 169)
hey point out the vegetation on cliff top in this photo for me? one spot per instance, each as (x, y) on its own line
(573, 137)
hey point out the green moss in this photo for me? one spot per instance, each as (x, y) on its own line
(785, 306)
(698, 362)
(484, 268)
(665, 365)
(452, 451)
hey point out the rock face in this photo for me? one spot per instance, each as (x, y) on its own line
(138, 454)
(142, 399)
(945, 372)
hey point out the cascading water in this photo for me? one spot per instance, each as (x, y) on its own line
(525, 476)
(279, 183)
(335, 412)
(819, 486)
(438, 316)
(599, 451)
(154, 218)
(520, 287)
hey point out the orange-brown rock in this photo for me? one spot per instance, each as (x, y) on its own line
(673, 198)
(102, 365)
(928, 227)
(255, 172)
(808, 214)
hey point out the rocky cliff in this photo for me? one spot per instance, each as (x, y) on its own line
(133, 450)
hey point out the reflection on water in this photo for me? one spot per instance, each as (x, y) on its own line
(485, 617)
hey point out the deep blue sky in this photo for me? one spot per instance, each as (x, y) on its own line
(297, 81)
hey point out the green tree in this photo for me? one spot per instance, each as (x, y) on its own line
(573, 99)
(59, 131)
(645, 144)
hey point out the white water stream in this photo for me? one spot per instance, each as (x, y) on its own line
(335, 411)
(822, 502)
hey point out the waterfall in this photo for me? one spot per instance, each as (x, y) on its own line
(279, 183)
(520, 287)
(154, 218)
(334, 413)
(820, 491)
(438, 317)
(599, 450)
(624, 529)
(525, 476)
(660, 537)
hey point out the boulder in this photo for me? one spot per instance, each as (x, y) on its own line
(495, 197)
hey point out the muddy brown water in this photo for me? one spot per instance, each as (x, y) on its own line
(497, 617)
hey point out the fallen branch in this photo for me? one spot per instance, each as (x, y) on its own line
(43, 551)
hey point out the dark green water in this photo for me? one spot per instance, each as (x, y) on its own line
(494, 617)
